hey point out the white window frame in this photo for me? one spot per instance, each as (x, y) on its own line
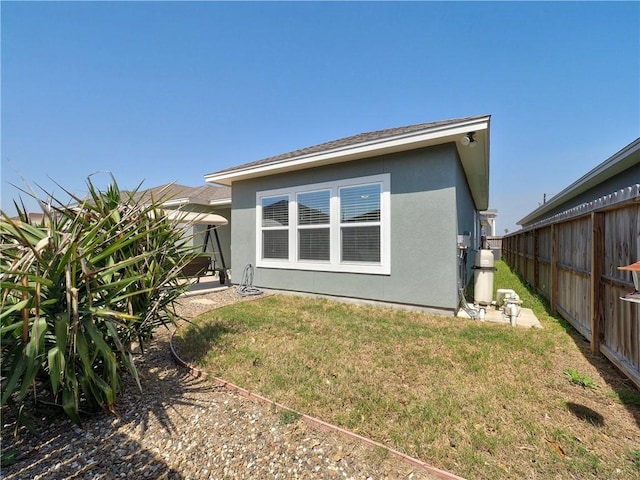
(334, 264)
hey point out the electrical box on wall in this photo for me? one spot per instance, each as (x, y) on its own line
(464, 241)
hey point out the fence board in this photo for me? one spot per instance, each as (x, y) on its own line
(573, 261)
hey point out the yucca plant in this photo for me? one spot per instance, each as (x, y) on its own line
(78, 288)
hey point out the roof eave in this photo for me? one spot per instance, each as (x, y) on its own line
(620, 161)
(220, 202)
(177, 202)
(475, 161)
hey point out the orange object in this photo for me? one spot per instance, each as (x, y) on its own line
(634, 267)
(634, 296)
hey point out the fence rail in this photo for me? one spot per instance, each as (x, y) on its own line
(573, 261)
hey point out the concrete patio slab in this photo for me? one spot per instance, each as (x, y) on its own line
(526, 318)
(207, 284)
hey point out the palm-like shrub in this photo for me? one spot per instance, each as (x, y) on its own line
(78, 288)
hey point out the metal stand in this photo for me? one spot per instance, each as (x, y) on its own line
(222, 272)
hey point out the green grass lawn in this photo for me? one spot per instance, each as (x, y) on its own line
(480, 400)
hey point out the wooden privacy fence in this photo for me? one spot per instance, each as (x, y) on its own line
(572, 260)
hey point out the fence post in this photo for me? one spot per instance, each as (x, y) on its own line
(536, 260)
(553, 288)
(525, 257)
(597, 269)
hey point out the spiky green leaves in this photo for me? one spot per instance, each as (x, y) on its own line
(78, 288)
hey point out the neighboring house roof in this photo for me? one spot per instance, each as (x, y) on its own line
(475, 161)
(33, 218)
(617, 163)
(220, 196)
(173, 194)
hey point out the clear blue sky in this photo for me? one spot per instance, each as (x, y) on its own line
(169, 91)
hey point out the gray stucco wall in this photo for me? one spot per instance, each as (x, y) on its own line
(468, 223)
(430, 204)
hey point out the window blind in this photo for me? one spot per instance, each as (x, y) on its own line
(313, 208)
(360, 203)
(360, 244)
(275, 211)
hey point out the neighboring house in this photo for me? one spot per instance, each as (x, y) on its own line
(376, 216)
(612, 180)
(205, 199)
(488, 228)
(488, 222)
(202, 206)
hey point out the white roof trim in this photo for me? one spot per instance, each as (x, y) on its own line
(184, 201)
(220, 202)
(474, 160)
(430, 136)
(195, 218)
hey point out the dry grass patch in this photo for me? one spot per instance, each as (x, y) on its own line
(480, 400)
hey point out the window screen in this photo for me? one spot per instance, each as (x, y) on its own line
(275, 232)
(313, 244)
(313, 208)
(360, 223)
(360, 204)
(275, 211)
(314, 225)
(275, 244)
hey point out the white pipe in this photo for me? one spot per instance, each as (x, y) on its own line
(504, 292)
(513, 313)
(472, 311)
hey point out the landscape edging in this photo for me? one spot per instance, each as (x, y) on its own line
(196, 372)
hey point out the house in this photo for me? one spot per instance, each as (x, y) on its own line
(204, 208)
(614, 180)
(377, 216)
(488, 227)
(183, 201)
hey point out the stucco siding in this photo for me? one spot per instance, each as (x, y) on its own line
(424, 225)
(243, 221)
(629, 177)
(468, 223)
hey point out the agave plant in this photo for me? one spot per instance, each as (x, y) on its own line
(78, 288)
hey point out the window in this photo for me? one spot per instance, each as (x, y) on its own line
(340, 226)
(360, 223)
(314, 229)
(275, 227)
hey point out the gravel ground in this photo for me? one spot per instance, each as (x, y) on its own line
(183, 427)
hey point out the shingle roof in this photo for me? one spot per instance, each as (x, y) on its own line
(351, 140)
